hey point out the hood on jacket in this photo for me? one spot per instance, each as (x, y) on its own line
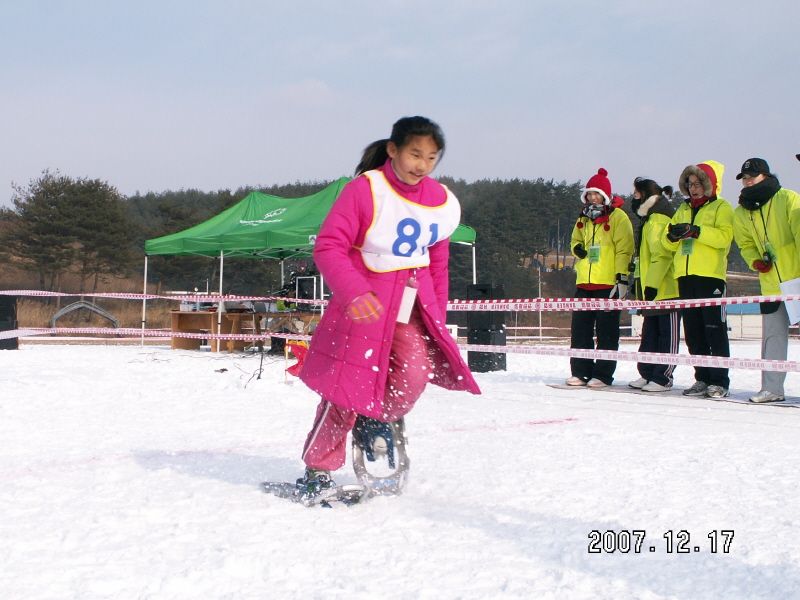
(710, 175)
(656, 204)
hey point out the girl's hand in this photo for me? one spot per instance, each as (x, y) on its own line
(365, 309)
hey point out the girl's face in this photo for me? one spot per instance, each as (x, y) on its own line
(695, 186)
(637, 194)
(595, 197)
(750, 180)
(415, 160)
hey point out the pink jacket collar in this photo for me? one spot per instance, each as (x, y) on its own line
(397, 183)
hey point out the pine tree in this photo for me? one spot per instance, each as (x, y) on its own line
(60, 224)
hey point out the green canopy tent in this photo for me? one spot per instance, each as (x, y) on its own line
(264, 226)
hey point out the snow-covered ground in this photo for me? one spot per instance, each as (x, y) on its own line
(133, 473)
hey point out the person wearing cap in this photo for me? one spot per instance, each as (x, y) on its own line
(700, 236)
(602, 243)
(767, 230)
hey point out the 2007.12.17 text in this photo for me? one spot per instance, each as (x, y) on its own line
(625, 541)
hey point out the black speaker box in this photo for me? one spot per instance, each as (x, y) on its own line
(484, 362)
(8, 308)
(8, 343)
(276, 345)
(486, 320)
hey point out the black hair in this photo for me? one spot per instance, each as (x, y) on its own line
(406, 128)
(648, 187)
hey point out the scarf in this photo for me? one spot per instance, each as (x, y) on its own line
(756, 196)
(593, 211)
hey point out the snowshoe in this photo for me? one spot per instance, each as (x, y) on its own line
(383, 445)
(316, 488)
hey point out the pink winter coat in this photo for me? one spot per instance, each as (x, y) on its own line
(347, 363)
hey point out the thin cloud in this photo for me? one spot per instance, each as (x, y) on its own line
(310, 93)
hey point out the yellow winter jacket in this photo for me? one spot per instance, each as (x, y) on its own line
(707, 255)
(781, 215)
(656, 268)
(616, 248)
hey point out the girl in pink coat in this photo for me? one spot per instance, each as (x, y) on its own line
(383, 250)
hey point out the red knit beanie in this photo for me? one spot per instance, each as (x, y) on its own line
(599, 183)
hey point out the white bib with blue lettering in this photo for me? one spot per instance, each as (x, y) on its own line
(402, 231)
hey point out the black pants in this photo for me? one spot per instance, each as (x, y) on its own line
(584, 324)
(705, 329)
(660, 333)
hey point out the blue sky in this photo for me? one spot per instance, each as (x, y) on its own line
(163, 95)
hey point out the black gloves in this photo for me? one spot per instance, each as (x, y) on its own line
(579, 251)
(682, 231)
(650, 293)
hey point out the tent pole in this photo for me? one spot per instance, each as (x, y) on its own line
(474, 269)
(540, 295)
(282, 276)
(220, 305)
(144, 300)
(321, 294)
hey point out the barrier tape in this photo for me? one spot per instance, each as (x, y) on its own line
(573, 304)
(524, 304)
(647, 357)
(133, 332)
(188, 298)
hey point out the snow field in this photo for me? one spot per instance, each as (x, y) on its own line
(131, 472)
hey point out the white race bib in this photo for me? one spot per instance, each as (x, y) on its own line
(402, 231)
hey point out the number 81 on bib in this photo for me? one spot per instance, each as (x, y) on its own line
(407, 241)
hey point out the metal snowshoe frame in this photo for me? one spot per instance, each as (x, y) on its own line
(347, 494)
(389, 485)
(365, 431)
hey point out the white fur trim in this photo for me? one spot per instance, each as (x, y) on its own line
(645, 206)
(599, 191)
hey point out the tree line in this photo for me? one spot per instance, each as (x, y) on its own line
(60, 224)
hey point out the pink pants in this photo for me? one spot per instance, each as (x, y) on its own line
(409, 370)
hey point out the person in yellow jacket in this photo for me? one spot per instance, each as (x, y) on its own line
(767, 230)
(602, 243)
(655, 280)
(700, 236)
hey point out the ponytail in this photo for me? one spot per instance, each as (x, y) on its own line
(403, 130)
(648, 187)
(373, 157)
